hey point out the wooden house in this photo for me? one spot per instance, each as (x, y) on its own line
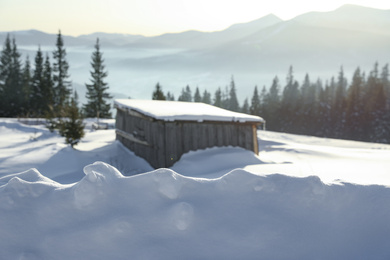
(162, 131)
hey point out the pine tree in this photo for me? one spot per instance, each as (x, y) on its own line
(37, 97)
(197, 97)
(186, 94)
(17, 91)
(62, 86)
(206, 98)
(158, 94)
(26, 87)
(5, 71)
(48, 86)
(245, 106)
(325, 109)
(339, 106)
(262, 97)
(71, 125)
(11, 94)
(218, 98)
(233, 101)
(375, 107)
(355, 108)
(170, 97)
(97, 95)
(272, 106)
(306, 109)
(290, 103)
(255, 103)
(386, 84)
(225, 98)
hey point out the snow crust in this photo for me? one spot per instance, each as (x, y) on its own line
(300, 198)
(184, 111)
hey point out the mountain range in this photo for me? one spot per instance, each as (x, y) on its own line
(318, 43)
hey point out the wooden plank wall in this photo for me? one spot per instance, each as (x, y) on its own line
(182, 137)
(168, 141)
(145, 129)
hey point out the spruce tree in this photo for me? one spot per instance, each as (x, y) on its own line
(158, 94)
(375, 114)
(233, 101)
(197, 97)
(206, 98)
(71, 124)
(339, 106)
(186, 94)
(290, 103)
(62, 86)
(170, 96)
(355, 108)
(5, 72)
(263, 95)
(225, 98)
(218, 98)
(97, 95)
(306, 109)
(386, 84)
(272, 105)
(48, 86)
(11, 94)
(255, 103)
(37, 97)
(26, 87)
(17, 88)
(245, 107)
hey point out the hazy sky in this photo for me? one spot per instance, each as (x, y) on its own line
(152, 17)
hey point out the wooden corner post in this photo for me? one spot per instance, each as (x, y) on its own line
(255, 142)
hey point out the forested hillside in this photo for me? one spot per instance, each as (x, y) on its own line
(358, 109)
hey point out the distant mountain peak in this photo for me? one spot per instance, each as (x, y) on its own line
(270, 18)
(350, 7)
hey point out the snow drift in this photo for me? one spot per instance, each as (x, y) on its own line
(164, 215)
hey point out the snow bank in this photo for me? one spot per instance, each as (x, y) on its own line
(184, 111)
(164, 215)
(332, 160)
(215, 162)
(33, 146)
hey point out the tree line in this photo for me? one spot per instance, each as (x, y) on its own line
(359, 110)
(44, 89)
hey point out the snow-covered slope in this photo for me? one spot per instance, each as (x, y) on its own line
(202, 208)
(33, 146)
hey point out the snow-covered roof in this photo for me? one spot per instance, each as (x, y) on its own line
(184, 111)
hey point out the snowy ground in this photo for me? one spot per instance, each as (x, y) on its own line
(300, 198)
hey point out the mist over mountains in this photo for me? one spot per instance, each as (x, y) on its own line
(317, 43)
